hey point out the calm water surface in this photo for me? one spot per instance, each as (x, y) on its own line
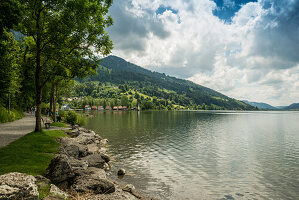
(205, 155)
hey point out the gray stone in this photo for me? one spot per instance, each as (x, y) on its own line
(94, 160)
(87, 183)
(121, 172)
(60, 169)
(104, 141)
(54, 190)
(85, 139)
(18, 186)
(74, 133)
(129, 188)
(105, 157)
(72, 148)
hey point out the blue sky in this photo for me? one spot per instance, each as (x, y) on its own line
(246, 49)
(226, 9)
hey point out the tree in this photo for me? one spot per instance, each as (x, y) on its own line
(124, 101)
(9, 67)
(66, 35)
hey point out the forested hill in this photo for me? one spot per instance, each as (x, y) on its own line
(115, 70)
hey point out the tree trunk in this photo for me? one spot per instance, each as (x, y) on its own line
(38, 88)
(52, 100)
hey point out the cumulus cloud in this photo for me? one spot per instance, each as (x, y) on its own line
(253, 57)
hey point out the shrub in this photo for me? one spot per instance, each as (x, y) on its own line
(71, 117)
(6, 116)
(61, 113)
(81, 120)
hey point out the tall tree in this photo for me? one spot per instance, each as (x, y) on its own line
(65, 33)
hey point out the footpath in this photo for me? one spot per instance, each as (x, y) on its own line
(12, 131)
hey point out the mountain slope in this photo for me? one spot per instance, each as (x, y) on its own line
(261, 105)
(294, 106)
(117, 71)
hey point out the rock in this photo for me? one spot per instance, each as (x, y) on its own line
(55, 191)
(105, 157)
(72, 148)
(42, 181)
(60, 169)
(93, 148)
(104, 141)
(129, 188)
(94, 160)
(85, 139)
(18, 186)
(53, 198)
(74, 133)
(92, 171)
(121, 172)
(78, 164)
(87, 183)
(107, 167)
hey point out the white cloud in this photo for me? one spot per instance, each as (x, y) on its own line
(255, 57)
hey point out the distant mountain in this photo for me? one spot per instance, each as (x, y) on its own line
(260, 105)
(294, 106)
(281, 107)
(117, 71)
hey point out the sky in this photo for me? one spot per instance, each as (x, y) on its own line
(245, 49)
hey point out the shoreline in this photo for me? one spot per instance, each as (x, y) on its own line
(77, 171)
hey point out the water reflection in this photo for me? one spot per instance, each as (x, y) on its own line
(206, 155)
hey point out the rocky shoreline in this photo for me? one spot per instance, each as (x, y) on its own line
(77, 172)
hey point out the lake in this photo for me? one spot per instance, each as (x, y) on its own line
(205, 155)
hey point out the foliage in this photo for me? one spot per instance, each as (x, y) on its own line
(31, 153)
(6, 116)
(71, 117)
(64, 37)
(152, 90)
(81, 121)
(9, 67)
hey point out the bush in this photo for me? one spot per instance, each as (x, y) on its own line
(61, 113)
(81, 120)
(71, 117)
(6, 116)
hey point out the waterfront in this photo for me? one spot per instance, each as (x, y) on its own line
(205, 155)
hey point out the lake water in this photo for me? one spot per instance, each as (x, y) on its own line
(205, 155)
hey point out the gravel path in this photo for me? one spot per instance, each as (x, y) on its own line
(12, 131)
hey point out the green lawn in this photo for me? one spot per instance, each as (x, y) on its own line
(58, 124)
(31, 153)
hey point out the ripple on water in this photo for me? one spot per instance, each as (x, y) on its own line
(193, 155)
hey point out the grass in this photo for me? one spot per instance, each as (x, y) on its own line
(58, 124)
(31, 153)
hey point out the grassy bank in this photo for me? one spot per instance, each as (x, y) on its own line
(8, 116)
(31, 153)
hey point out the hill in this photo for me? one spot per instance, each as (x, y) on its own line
(260, 105)
(118, 72)
(294, 106)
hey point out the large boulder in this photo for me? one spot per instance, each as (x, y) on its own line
(18, 186)
(85, 138)
(55, 191)
(72, 148)
(94, 160)
(97, 185)
(60, 169)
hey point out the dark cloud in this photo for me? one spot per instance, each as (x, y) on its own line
(277, 35)
(131, 31)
